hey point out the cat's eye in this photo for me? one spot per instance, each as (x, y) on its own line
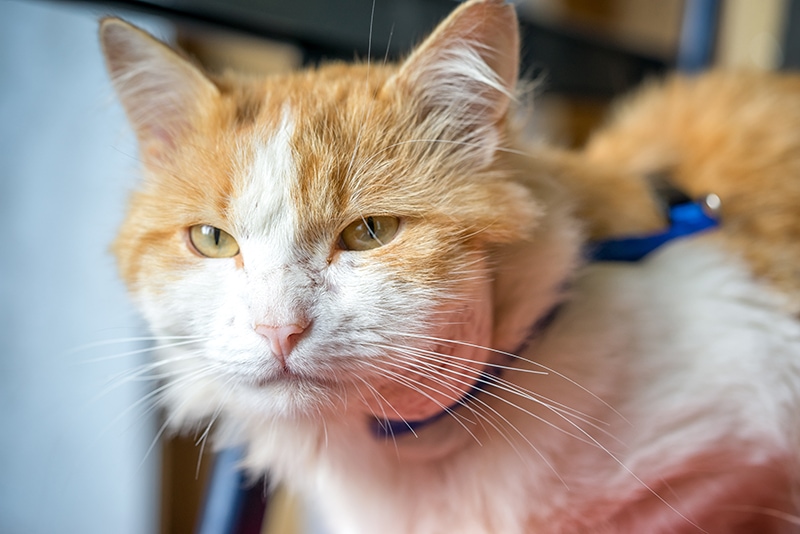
(212, 242)
(369, 232)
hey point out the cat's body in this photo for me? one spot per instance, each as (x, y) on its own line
(699, 421)
(341, 246)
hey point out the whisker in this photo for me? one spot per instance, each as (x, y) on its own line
(771, 512)
(557, 408)
(189, 378)
(388, 42)
(136, 375)
(520, 358)
(369, 41)
(204, 438)
(513, 405)
(380, 399)
(173, 413)
(121, 340)
(157, 438)
(145, 350)
(449, 357)
(368, 111)
(487, 412)
(514, 388)
(415, 386)
(591, 440)
(638, 479)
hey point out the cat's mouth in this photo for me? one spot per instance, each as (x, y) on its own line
(287, 377)
(288, 393)
(283, 376)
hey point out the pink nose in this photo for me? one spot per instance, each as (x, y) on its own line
(282, 339)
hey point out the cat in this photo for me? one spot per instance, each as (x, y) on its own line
(363, 276)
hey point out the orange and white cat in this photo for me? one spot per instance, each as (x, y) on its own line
(364, 278)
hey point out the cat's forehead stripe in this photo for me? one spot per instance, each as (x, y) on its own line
(262, 207)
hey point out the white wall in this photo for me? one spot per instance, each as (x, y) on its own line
(72, 459)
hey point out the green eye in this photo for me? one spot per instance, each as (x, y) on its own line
(212, 242)
(369, 232)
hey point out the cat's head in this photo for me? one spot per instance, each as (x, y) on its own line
(326, 234)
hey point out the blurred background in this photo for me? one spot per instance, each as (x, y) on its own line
(80, 447)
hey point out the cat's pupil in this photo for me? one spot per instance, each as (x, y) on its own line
(371, 227)
(216, 236)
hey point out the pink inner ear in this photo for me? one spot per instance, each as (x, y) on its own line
(470, 63)
(160, 91)
(493, 26)
(746, 500)
(157, 142)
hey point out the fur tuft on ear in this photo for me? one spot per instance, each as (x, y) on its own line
(466, 71)
(160, 91)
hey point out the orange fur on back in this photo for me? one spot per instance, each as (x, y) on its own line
(734, 134)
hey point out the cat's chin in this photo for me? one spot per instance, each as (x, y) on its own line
(287, 394)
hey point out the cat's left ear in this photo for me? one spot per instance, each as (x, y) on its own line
(466, 71)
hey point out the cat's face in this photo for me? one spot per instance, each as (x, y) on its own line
(323, 238)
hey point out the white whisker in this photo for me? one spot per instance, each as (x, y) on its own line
(453, 375)
(559, 409)
(516, 357)
(380, 399)
(588, 439)
(449, 357)
(204, 438)
(121, 340)
(489, 411)
(415, 385)
(139, 374)
(144, 350)
(513, 388)
(183, 378)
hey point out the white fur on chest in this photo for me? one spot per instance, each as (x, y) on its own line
(652, 366)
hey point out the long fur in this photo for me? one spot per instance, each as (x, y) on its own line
(662, 398)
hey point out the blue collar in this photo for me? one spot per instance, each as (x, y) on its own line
(685, 218)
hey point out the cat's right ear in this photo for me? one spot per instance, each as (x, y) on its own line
(465, 73)
(162, 93)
